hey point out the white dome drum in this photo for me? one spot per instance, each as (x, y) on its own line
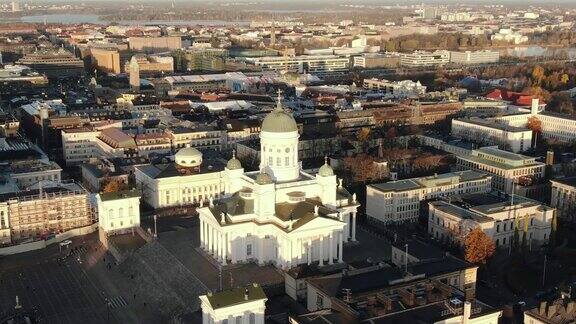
(188, 157)
(279, 145)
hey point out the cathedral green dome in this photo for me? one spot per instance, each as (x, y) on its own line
(263, 178)
(325, 171)
(279, 121)
(233, 163)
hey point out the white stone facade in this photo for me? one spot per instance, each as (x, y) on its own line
(516, 139)
(506, 168)
(399, 201)
(450, 222)
(118, 212)
(239, 305)
(563, 198)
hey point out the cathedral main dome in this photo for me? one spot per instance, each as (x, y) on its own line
(279, 121)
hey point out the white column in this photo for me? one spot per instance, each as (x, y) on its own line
(291, 254)
(321, 250)
(346, 219)
(224, 248)
(340, 246)
(209, 236)
(214, 242)
(202, 234)
(309, 254)
(220, 246)
(353, 226)
(213, 239)
(217, 237)
(331, 247)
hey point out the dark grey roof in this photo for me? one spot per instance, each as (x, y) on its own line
(566, 181)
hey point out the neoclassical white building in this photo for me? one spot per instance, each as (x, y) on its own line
(280, 214)
(237, 305)
(118, 212)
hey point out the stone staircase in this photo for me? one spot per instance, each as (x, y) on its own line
(162, 280)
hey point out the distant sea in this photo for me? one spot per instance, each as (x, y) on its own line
(95, 19)
(539, 51)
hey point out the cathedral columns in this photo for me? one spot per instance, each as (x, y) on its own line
(353, 226)
(224, 248)
(218, 246)
(309, 253)
(331, 247)
(346, 219)
(321, 251)
(208, 238)
(202, 237)
(214, 241)
(340, 246)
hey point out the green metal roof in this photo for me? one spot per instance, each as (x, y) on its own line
(236, 296)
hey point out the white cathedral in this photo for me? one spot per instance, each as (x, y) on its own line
(280, 214)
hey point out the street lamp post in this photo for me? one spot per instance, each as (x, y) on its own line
(155, 227)
(544, 271)
(406, 258)
(107, 309)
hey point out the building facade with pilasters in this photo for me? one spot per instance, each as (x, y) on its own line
(281, 214)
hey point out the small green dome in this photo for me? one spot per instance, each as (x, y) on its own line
(233, 163)
(326, 169)
(263, 178)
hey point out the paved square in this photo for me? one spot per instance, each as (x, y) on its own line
(59, 291)
(182, 240)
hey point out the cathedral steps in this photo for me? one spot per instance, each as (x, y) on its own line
(162, 280)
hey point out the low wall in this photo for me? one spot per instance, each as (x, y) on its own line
(36, 245)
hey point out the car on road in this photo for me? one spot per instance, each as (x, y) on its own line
(65, 243)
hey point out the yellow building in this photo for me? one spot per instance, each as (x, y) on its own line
(106, 60)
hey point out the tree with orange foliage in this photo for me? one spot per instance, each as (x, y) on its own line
(478, 247)
(362, 168)
(535, 125)
(114, 186)
(538, 74)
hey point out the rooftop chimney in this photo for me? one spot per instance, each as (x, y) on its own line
(571, 307)
(535, 105)
(552, 310)
(467, 312)
(246, 293)
(542, 309)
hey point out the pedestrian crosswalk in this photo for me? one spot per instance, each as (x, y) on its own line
(117, 302)
(79, 251)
